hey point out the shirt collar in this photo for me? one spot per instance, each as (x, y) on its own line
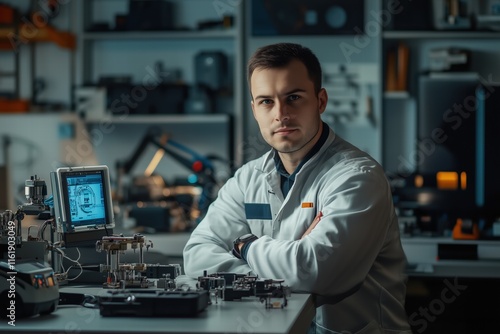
(322, 139)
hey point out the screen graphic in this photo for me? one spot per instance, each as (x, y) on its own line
(86, 199)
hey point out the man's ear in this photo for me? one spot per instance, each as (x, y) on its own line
(322, 100)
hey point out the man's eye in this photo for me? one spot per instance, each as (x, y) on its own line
(266, 101)
(293, 97)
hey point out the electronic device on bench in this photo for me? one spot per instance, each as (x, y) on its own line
(153, 303)
(83, 212)
(27, 288)
(83, 209)
(232, 286)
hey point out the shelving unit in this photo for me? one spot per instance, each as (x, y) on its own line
(133, 53)
(401, 108)
(408, 34)
(171, 119)
(135, 35)
(397, 95)
(12, 38)
(25, 34)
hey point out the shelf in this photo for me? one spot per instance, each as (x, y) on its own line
(439, 34)
(151, 35)
(42, 34)
(397, 95)
(171, 119)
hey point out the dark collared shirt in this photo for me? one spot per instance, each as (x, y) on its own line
(287, 180)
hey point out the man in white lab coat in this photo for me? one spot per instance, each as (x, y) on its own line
(314, 210)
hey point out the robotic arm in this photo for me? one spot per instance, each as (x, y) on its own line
(200, 165)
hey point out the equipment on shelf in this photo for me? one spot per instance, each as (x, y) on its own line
(211, 69)
(449, 59)
(150, 15)
(164, 99)
(451, 15)
(300, 17)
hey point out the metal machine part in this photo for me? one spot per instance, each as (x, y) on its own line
(35, 191)
(10, 231)
(124, 275)
(12, 245)
(232, 286)
(215, 285)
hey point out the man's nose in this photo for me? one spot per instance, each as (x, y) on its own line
(282, 112)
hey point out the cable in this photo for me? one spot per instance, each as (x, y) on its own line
(74, 261)
(49, 201)
(37, 233)
(42, 228)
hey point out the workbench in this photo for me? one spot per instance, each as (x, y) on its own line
(247, 315)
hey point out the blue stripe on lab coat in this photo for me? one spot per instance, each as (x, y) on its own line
(258, 211)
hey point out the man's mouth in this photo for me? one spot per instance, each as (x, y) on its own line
(284, 131)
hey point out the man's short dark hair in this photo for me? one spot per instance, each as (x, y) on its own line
(281, 54)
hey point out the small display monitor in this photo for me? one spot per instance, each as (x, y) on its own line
(82, 200)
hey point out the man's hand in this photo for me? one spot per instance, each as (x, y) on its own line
(313, 224)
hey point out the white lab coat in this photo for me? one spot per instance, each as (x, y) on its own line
(353, 260)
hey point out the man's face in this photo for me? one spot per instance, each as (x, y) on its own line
(287, 108)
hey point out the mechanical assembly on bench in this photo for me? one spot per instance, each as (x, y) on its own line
(231, 286)
(175, 298)
(133, 275)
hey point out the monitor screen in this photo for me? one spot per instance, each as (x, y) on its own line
(86, 201)
(82, 199)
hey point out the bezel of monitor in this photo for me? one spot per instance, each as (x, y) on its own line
(85, 207)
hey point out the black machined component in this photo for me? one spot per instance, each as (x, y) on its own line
(238, 286)
(149, 303)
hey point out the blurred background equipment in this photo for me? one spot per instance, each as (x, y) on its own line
(16, 31)
(150, 15)
(211, 80)
(452, 14)
(455, 187)
(449, 59)
(211, 69)
(300, 17)
(152, 202)
(350, 98)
